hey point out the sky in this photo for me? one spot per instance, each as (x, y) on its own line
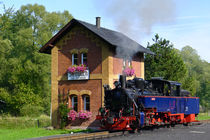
(183, 22)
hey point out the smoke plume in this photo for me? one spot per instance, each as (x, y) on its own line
(136, 18)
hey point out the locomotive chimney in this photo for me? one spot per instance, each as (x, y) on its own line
(122, 81)
(98, 22)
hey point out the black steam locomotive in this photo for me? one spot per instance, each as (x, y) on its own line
(136, 103)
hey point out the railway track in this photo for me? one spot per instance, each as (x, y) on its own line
(95, 135)
(87, 136)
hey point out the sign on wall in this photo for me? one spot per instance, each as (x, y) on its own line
(79, 75)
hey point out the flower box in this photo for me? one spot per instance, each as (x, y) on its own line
(78, 72)
(129, 71)
(79, 75)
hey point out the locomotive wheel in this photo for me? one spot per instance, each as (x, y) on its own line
(185, 124)
(133, 130)
(139, 130)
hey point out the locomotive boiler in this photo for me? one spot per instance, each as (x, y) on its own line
(137, 103)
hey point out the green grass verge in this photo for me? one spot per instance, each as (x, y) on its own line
(19, 134)
(203, 116)
(18, 128)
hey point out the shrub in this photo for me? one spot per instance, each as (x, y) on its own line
(31, 111)
(8, 122)
(63, 110)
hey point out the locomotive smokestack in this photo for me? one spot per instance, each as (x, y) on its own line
(98, 22)
(122, 81)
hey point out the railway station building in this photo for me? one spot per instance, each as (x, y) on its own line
(102, 52)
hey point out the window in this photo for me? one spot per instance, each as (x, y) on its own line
(74, 102)
(84, 58)
(74, 59)
(86, 99)
(129, 63)
(124, 62)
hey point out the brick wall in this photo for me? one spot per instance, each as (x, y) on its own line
(94, 86)
(136, 64)
(79, 41)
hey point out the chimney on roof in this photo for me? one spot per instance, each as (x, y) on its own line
(98, 22)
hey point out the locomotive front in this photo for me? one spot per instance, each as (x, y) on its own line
(120, 103)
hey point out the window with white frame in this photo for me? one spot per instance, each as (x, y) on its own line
(74, 59)
(129, 63)
(124, 62)
(74, 102)
(86, 99)
(84, 58)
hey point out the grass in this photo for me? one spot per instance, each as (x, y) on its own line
(18, 128)
(203, 116)
(19, 134)
(24, 122)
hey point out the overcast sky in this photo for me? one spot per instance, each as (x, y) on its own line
(183, 22)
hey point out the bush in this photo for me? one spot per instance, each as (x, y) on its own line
(8, 122)
(31, 111)
(63, 110)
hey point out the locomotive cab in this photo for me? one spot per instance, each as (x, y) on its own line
(165, 87)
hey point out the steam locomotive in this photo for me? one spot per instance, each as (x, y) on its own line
(137, 103)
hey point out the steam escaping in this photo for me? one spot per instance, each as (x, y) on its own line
(136, 18)
(126, 47)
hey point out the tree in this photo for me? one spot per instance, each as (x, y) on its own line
(24, 72)
(198, 70)
(166, 62)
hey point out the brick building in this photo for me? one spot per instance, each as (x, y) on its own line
(82, 43)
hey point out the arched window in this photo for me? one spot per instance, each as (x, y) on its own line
(74, 102)
(86, 101)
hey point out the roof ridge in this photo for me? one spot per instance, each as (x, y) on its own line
(113, 37)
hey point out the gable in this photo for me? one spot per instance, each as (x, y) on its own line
(115, 39)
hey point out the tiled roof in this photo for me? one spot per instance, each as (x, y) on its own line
(116, 39)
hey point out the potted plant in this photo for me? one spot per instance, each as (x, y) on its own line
(77, 68)
(84, 115)
(129, 71)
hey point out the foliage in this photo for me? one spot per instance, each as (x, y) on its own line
(198, 73)
(24, 72)
(8, 122)
(31, 110)
(184, 66)
(63, 111)
(165, 63)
